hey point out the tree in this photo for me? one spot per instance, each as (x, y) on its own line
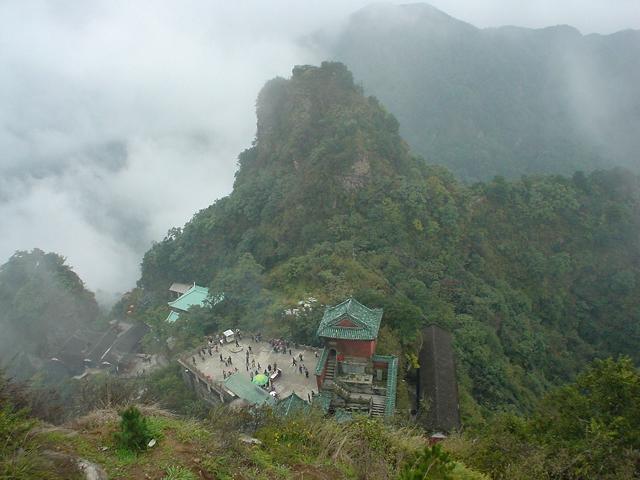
(595, 421)
(43, 301)
(134, 434)
(244, 294)
(586, 429)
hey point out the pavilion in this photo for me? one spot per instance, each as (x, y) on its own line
(350, 376)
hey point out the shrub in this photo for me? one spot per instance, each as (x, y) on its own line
(432, 464)
(134, 434)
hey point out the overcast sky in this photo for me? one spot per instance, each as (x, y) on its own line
(120, 119)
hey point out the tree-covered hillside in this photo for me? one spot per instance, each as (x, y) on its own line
(498, 101)
(534, 277)
(42, 303)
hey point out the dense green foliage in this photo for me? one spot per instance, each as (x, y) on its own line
(534, 277)
(42, 302)
(588, 429)
(498, 101)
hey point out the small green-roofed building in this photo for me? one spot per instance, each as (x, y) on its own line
(243, 388)
(323, 400)
(195, 296)
(291, 405)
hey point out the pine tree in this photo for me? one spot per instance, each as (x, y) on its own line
(134, 432)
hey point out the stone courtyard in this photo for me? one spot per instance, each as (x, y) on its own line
(260, 353)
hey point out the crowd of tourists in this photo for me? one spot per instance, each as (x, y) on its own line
(253, 367)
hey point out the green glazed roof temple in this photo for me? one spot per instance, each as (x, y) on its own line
(350, 320)
(196, 295)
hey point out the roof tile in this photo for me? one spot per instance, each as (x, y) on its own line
(366, 320)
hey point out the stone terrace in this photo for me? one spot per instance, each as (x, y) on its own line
(291, 380)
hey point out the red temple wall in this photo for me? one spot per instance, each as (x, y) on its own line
(356, 348)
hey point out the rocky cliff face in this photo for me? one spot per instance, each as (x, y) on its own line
(320, 148)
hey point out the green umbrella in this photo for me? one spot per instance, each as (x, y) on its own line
(261, 379)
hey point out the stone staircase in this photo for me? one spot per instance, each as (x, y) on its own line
(356, 407)
(374, 404)
(377, 409)
(331, 369)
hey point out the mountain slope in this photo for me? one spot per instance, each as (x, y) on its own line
(320, 148)
(42, 303)
(534, 277)
(498, 101)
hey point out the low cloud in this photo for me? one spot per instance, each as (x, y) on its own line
(121, 119)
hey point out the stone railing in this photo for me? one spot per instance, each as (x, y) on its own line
(210, 390)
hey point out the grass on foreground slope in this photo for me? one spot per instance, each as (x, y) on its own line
(309, 447)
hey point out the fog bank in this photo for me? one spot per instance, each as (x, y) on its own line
(121, 119)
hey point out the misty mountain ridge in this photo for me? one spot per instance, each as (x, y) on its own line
(97, 157)
(482, 181)
(534, 277)
(498, 101)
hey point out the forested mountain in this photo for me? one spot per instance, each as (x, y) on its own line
(498, 101)
(42, 303)
(534, 277)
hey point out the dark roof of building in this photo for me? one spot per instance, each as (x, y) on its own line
(438, 378)
(127, 340)
(78, 344)
(350, 320)
(125, 343)
(74, 351)
(104, 342)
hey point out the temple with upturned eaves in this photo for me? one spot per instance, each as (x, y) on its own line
(350, 376)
